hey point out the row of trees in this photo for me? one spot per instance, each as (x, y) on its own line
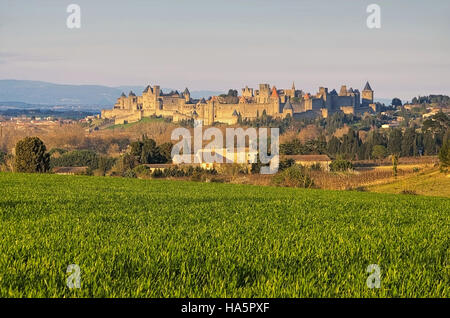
(264, 120)
(32, 156)
(377, 145)
(442, 100)
(296, 147)
(76, 158)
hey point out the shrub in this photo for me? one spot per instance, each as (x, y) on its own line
(341, 165)
(197, 176)
(379, 152)
(316, 167)
(2, 157)
(285, 164)
(294, 176)
(142, 171)
(31, 156)
(7, 164)
(129, 174)
(56, 152)
(146, 151)
(234, 169)
(174, 172)
(105, 164)
(123, 164)
(217, 179)
(157, 173)
(87, 172)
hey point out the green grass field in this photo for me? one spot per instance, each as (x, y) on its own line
(142, 121)
(145, 238)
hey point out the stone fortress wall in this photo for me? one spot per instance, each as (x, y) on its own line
(252, 104)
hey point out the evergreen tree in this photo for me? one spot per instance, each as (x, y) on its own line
(165, 151)
(350, 145)
(395, 164)
(333, 146)
(365, 151)
(409, 147)
(444, 155)
(394, 145)
(396, 102)
(31, 156)
(150, 153)
(379, 152)
(136, 149)
(374, 138)
(145, 151)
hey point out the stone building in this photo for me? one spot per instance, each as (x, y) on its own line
(251, 104)
(347, 100)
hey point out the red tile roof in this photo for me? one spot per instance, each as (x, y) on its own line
(274, 92)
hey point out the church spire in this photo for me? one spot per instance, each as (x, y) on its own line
(367, 87)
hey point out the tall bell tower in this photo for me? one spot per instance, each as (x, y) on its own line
(367, 95)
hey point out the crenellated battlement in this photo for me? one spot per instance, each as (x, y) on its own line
(278, 103)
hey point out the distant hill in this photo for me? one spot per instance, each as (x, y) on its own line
(47, 94)
(34, 92)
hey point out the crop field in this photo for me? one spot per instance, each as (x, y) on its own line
(151, 238)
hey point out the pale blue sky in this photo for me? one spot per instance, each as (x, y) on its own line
(216, 45)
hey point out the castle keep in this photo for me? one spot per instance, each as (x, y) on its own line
(250, 105)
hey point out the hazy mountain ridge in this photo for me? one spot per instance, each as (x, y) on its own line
(47, 94)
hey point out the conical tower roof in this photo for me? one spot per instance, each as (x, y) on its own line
(367, 87)
(274, 92)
